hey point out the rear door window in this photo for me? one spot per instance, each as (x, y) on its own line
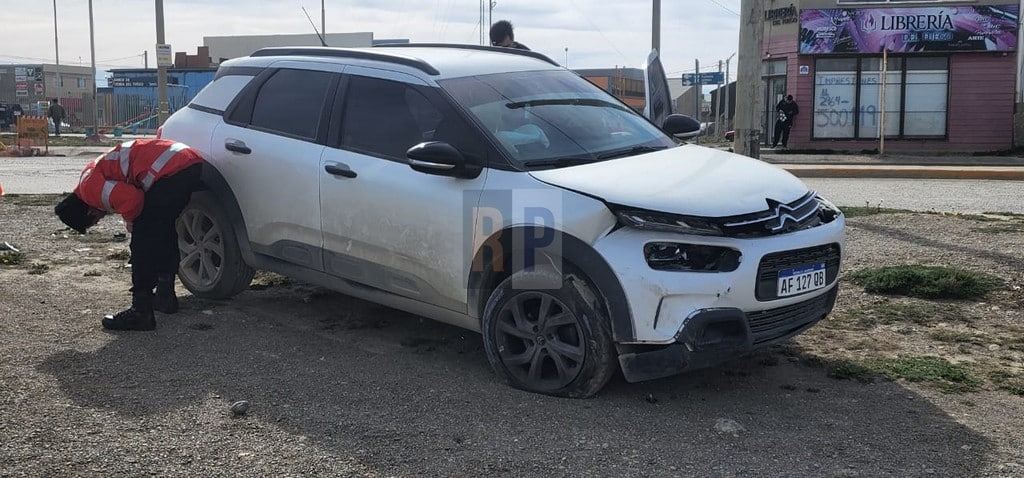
(291, 102)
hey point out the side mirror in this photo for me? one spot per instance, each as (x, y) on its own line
(681, 126)
(440, 159)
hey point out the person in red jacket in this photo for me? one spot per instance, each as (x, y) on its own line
(148, 182)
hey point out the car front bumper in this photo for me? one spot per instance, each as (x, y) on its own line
(712, 336)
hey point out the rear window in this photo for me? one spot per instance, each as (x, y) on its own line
(218, 94)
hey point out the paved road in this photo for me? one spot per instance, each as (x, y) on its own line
(59, 174)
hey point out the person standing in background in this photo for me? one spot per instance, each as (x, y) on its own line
(786, 109)
(502, 35)
(56, 113)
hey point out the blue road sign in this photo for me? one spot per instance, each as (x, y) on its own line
(708, 78)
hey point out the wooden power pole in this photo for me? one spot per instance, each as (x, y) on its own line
(749, 100)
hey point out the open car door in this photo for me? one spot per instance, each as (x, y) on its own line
(658, 103)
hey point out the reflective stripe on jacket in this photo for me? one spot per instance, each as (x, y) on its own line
(117, 180)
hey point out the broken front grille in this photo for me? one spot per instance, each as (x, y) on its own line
(777, 324)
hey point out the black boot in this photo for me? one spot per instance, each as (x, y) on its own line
(131, 319)
(165, 301)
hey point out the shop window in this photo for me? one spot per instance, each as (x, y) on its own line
(848, 97)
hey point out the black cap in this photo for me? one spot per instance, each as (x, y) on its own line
(74, 212)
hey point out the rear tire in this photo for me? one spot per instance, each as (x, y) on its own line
(554, 341)
(211, 263)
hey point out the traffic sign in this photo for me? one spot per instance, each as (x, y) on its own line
(708, 78)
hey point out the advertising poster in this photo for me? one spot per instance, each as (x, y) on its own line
(909, 29)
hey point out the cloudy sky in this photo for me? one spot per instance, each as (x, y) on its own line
(597, 34)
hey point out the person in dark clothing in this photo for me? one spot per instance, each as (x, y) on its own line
(149, 182)
(56, 113)
(502, 35)
(787, 109)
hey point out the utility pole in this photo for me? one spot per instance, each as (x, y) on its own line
(727, 94)
(145, 59)
(161, 70)
(718, 105)
(698, 86)
(56, 48)
(749, 101)
(323, 20)
(656, 27)
(92, 48)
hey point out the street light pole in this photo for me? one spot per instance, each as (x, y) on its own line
(92, 49)
(161, 70)
(56, 48)
(656, 27)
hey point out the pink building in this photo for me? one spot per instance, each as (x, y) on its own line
(949, 79)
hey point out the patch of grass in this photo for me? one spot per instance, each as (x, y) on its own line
(926, 282)
(888, 312)
(1004, 213)
(850, 370)
(860, 211)
(1007, 381)
(11, 258)
(122, 255)
(264, 280)
(39, 268)
(93, 274)
(956, 337)
(947, 376)
(33, 199)
(1012, 228)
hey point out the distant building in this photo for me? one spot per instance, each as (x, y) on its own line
(949, 79)
(626, 84)
(33, 86)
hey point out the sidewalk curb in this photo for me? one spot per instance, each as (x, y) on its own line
(905, 172)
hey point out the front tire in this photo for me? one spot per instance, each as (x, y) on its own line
(211, 263)
(554, 341)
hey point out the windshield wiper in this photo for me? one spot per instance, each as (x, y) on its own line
(631, 151)
(565, 101)
(552, 162)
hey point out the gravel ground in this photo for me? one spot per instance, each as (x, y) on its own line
(342, 387)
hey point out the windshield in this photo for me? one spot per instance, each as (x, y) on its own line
(542, 117)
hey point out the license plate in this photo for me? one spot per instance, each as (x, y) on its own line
(801, 279)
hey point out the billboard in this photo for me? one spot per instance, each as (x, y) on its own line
(909, 29)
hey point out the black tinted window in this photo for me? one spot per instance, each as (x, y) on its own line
(291, 102)
(386, 117)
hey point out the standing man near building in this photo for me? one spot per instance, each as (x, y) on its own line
(57, 114)
(787, 109)
(149, 182)
(502, 35)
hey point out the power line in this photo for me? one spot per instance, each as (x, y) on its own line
(725, 7)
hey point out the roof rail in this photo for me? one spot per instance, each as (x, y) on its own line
(348, 53)
(499, 49)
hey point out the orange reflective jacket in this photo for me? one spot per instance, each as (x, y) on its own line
(117, 181)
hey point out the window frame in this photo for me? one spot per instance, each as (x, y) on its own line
(857, 113)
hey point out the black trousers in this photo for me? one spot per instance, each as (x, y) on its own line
(781, 130)
(154, 244)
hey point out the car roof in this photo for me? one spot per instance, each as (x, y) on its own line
(439, 61)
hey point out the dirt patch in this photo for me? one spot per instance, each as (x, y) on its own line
(887, 386)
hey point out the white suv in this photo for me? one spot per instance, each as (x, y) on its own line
(492, 189)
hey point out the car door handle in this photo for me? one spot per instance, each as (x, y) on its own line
(340, 169)
(237, 146)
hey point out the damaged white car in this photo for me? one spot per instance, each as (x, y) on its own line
(493, 189)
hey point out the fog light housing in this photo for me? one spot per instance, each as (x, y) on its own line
(674, 256)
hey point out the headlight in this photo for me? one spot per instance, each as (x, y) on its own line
(672, 256)
(653, 221)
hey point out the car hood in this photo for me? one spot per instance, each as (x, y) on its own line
(688, 179)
